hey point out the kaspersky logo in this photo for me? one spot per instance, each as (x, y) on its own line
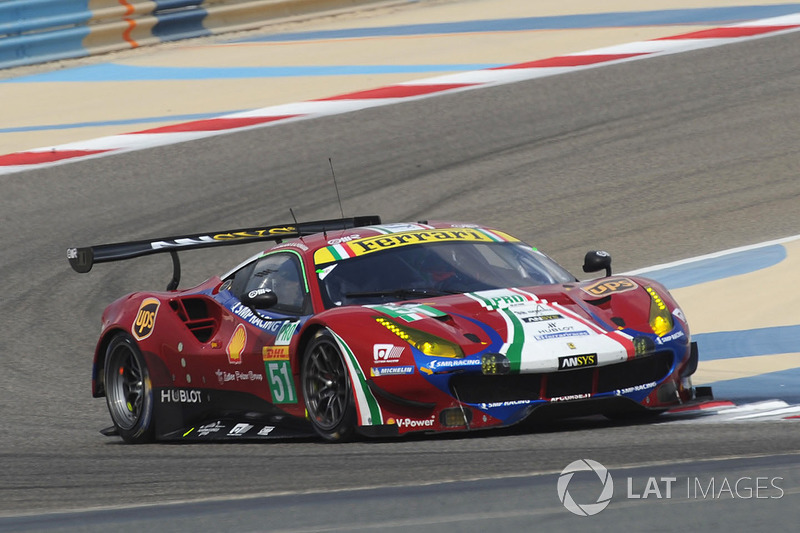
(585, 509)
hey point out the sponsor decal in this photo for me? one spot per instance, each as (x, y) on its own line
(345, 239)
(502, 301)
(570, 397)
(255, 293)
(453, 363)
(387, 353)
(667, 338)
(636, 388)
(357, 247)
(214, 427)
(266, 430)
(678, 313)
(560, 335)
(275, 353)
(538, 310)
(411, 423)
(553, 327)
(227, 377)
(181, 396)
(541, 318)
(284, 337)
(609, 286)
(281, 382)
(236, 345)
(225, 236)
(512, 403)
(571, 346)
(577, 361)
(239, 429)
(246, 314)
(390, 371)
(145, 319)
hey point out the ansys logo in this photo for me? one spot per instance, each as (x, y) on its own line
(585, 509)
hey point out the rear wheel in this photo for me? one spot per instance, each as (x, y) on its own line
(327, 389)
(129, 395)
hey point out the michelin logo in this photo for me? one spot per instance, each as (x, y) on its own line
(391, 371)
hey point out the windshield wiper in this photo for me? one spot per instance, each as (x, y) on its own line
(400, 293)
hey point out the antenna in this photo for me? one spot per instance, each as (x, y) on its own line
(341, 210)
(296, 223)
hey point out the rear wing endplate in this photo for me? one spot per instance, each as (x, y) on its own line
(82, 259)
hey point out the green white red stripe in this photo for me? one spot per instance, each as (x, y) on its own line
(367, 407)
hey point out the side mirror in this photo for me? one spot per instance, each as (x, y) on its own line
(597, 260)
(260, 299)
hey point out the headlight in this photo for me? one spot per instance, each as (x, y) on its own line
(660, 317)
(424, 342)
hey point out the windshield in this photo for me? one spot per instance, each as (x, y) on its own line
(435, 269)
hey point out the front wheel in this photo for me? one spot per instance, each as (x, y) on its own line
(327, 389)
(129, 394)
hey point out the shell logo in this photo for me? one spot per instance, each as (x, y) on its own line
(236, 345)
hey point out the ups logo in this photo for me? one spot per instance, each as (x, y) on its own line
(145, 319)
(608, 286)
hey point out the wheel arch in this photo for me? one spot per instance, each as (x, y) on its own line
(305, 338)
(98, 376)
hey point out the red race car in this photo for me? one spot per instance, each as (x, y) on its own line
(351, 327)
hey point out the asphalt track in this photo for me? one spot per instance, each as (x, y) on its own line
(654, 161)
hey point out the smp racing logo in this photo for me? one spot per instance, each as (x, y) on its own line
(145, 319)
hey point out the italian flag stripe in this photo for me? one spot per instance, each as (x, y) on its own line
(512, 347)
(369, 412)
(491, 235)
(515, 340)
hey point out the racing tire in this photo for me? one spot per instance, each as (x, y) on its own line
(129, 394)
(327, 389)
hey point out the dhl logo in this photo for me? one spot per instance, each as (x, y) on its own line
(275, 353)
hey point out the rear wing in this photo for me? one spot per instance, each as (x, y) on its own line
(82, 259)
